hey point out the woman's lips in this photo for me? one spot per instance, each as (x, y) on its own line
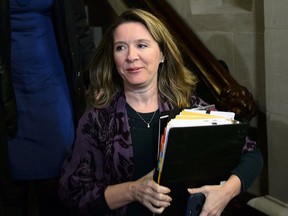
(134, 69)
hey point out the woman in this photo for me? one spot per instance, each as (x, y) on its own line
(137, 72)
(45, 47)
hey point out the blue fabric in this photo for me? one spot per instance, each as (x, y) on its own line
(46, 129)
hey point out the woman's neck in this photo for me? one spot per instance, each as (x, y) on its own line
(143, 101)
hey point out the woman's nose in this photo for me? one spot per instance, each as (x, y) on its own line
(132, 55)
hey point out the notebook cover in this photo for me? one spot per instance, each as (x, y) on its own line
(197, 156)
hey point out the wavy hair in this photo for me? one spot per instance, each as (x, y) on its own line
(175, 82)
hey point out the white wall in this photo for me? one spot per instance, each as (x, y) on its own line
(276, 73)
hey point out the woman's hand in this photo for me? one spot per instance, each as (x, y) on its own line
(145, 191)
(218, 196)
(150, 194)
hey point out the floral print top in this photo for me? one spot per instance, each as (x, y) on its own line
(102, 155)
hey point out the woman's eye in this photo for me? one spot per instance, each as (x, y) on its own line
(142, 45)
(119, 48)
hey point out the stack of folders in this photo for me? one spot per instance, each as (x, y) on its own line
(197, 148)
(190, 118)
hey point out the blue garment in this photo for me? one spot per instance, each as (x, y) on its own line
(46, 128)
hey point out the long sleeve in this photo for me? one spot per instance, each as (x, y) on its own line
(80, 186)
(101, 156)
(250, 166)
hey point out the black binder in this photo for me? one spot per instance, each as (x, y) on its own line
(197, 156)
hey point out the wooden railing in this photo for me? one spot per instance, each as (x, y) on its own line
(215, 80)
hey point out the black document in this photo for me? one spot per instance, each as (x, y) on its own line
(197, 156)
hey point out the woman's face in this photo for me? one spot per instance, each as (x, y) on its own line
(137, 55)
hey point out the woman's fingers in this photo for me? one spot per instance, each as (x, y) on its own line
(154, 196)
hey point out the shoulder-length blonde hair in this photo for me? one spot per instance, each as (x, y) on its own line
(175, 82)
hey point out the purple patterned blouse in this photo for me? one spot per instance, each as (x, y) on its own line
(102, 155)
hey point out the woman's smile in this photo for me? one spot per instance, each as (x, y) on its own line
(134, 69)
